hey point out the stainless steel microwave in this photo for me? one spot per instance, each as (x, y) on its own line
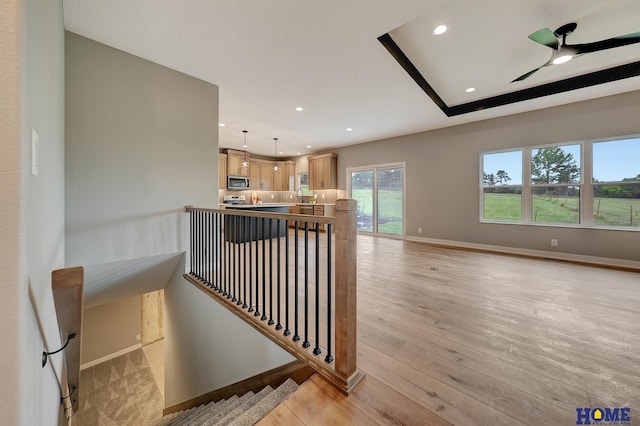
(237, 183)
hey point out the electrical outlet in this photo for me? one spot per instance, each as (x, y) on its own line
(554, 242)
(419, 230)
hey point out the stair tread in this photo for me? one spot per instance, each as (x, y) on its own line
(237, 412)
(211, 417)
(193, 413)
(266, 404)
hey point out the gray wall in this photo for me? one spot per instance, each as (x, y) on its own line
(443, 169)
(206, 346)
(141, 144)
(32, 208)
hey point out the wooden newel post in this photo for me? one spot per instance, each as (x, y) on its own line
(346, 291)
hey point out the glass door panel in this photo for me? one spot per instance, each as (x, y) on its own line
(362, 192)
(390, 203)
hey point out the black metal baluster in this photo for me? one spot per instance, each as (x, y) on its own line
(296, 336)
(236, 295)
(195, 244)
(250, 230)
(328, 358)
(316, 349)
(244, 259)
(278, 299)
(199, 235)
(270, 322)
(234, 247)
(209, 248)
(216, 251)
(286, 280)
(257, 313)
(306, 343)
(219, 255)
(264, 270)
(192, 242)
(227, 274)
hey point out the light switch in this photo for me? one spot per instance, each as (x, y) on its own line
(35, 150)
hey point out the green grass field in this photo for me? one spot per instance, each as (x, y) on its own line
(554, 209)
(389, 210)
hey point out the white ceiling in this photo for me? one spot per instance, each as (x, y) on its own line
(268, 57)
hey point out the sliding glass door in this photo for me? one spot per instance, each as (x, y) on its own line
(379, 191)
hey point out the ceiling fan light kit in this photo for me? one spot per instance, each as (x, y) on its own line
(563, 52)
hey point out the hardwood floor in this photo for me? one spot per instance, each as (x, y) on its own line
(460, 337)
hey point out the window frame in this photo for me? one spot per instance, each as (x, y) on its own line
(586, 186)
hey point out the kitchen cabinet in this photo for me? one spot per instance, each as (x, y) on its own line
(260, 175)
(222, 171)
(282, 181)
(313, 210)
(323, 172)
(234, 163)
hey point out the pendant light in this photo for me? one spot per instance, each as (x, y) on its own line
(275, 156)
(244, 162)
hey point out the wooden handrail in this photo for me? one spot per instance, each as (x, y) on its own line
(272, 215)
(67, 286)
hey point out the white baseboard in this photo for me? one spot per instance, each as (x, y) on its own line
(111, 356)
(604, 261)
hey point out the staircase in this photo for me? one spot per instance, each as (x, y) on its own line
(245, 410)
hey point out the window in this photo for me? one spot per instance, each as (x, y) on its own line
(555, 181)
(502, 186)
(580, 184)
(616, 183)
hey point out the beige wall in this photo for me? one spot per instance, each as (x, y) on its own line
(110, 328)
(13, 273)
(32, 208)
(443, 169)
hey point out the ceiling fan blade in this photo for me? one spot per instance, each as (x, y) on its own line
(527, 75)
(545, 36)
(609, 43)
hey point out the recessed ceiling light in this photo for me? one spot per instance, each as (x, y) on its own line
(562, 59)
(348, 129)
(298, 153)
(470, 89)
(245, 146)
(308, 146)
(221, 124)
(299, 109)
(440, 29)
(280, 152)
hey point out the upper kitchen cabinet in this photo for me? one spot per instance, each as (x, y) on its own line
(260, 177)
(323, 171)
(222, 171)
(234, 163)
(284, 179)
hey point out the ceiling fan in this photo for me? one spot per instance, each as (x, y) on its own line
(565, 52)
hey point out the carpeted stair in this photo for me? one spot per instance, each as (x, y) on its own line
(245, 410)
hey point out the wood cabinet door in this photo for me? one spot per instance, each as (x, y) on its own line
(254, 175)
(234, 160)
(266, 177)
(222, 171)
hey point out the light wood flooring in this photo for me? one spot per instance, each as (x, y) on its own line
(460, 337)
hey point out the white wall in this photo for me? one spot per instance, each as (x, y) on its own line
(206, 346)
(32, 208)
(443, 173)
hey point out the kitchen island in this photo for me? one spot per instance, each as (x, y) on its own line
(241, 229)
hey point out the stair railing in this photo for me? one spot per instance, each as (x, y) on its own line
(286, 278)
